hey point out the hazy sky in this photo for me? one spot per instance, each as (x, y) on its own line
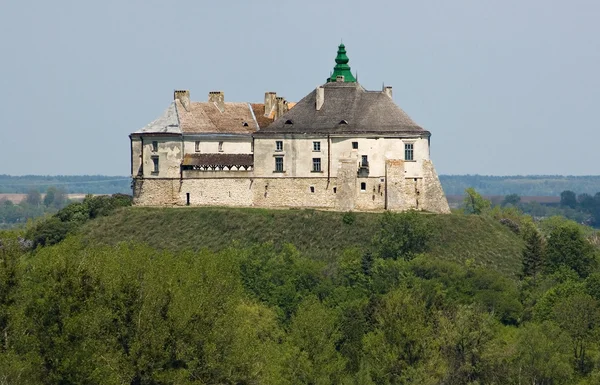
(506, 87)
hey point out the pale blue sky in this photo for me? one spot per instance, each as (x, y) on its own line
(506, 87)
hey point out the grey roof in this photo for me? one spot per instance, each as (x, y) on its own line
(167, 123)
(363, 111)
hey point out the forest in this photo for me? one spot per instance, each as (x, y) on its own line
(105, 293)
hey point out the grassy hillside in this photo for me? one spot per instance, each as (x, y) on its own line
(320, 235)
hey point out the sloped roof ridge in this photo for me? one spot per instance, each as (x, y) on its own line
(365, 111)
(167, 122)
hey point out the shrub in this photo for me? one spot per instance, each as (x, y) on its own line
(402, 235)
(349, 218)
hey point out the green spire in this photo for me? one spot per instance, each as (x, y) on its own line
(341, 67)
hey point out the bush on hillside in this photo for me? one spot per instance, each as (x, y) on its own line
(402, 235)
(56, 228)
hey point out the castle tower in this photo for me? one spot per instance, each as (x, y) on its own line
(341, 67)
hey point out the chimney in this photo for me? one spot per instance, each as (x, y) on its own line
(281, 106)
(339, 79)
(320, 97)
(184, 97)
(388, 91)
(269, 102)
(218, 98)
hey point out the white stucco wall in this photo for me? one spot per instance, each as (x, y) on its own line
(210, 144)
(298, 154)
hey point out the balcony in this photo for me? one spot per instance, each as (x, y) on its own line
(363, 169)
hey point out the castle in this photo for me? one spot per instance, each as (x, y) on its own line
(340, 148)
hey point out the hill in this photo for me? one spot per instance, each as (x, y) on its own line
(317, 234)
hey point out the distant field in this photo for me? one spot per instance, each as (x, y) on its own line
(528, 185)
(18, 198)
(74, 184)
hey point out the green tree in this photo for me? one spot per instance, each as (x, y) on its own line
(578, 315)
(567, 246)
(60, 197)
(34, 197)
(280, 279)
(533, 254)
(511, 199)
(568, 199)
(314, 332)
(465, 335)
(543, 355)
(474, 203)
(402, 235)
(50, 195)
(401, 349)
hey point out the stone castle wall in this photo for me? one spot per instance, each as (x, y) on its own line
(346, 192)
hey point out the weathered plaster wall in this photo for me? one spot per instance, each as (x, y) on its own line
(136, 156)
(169, 155)
(394, 184)
(209, 144)
(378, 150)
(298, 154)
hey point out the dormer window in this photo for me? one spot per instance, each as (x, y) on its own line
(343, 121)
(289, 122)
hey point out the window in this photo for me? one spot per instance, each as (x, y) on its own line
(316, 146)
(279, 164)
(197, 146)
(363, 186)
(335, 190)
(408, 151)
(355, 145)
(316, 165)
(155, 163)
(220, 146)
(364, 161)
(278, 145)
(154, 146)
(312, 189)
